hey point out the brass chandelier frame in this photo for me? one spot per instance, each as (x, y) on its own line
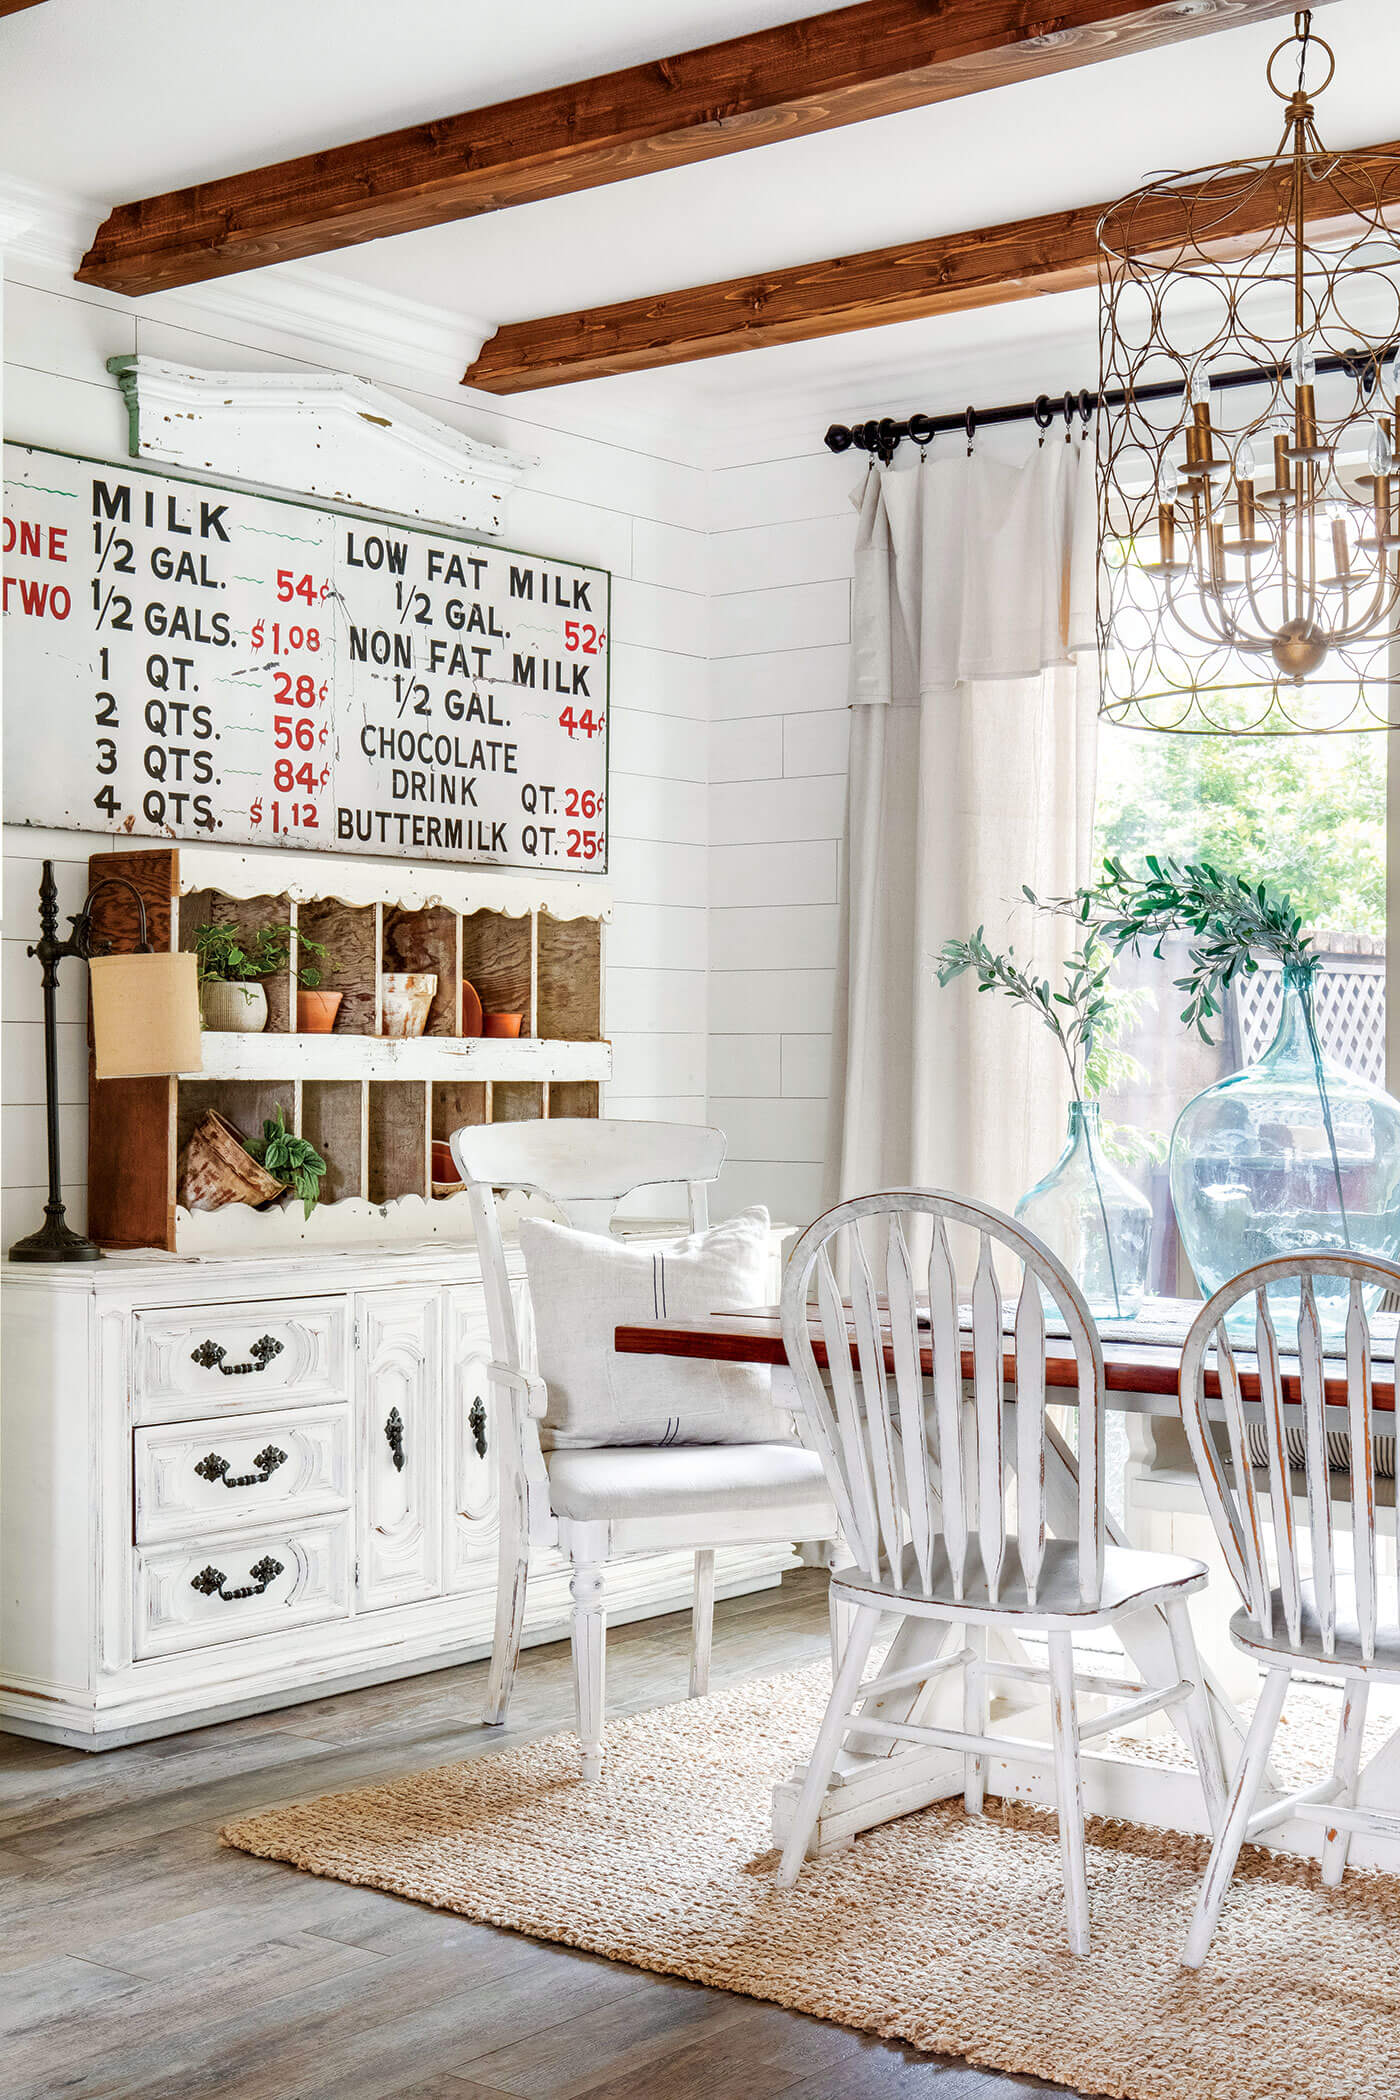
(1226, 606)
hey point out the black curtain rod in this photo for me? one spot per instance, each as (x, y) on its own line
(883, 436)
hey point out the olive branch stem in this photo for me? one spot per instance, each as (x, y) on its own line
(1071, 1016)
(1228, 923)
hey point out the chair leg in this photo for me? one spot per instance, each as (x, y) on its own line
(834, 1724)
(589, 1634)
(976, 1701)
(1346, 1768)
(1069, 1793)
(1249, 1777)
(511, 1580)
(702, 1623)
(841, 1616)
(1197, 1716)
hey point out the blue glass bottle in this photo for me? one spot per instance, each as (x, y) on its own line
(1094, 1219)
(1253, 1173)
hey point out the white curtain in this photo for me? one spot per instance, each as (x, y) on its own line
(974, 698)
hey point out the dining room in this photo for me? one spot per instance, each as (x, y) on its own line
(700, 1159)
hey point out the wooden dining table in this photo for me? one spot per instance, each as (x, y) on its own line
(874, 1783)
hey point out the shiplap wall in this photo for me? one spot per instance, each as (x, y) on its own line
(640, 513)
(782, 532)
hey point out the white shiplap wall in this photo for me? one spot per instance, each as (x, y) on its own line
(640, 513)
(782, 532)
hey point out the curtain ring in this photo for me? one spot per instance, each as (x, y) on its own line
(1086, 412)
(922, 432)
(1067, 406)
(970, 425)
(1044, 415)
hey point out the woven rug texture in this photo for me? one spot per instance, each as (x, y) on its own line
(940, 1930)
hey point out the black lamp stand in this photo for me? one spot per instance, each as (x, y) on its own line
(56, 1240)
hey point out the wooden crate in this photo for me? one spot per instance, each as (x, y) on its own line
(371, 1106)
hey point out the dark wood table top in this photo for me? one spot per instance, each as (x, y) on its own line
(1139, 1369)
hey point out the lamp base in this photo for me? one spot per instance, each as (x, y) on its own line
(55, 1241)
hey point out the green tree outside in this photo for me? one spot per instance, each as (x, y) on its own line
(1304, 814)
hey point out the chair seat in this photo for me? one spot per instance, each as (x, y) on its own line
(1131, 1580)
(617, 1482)
(1249, 1635)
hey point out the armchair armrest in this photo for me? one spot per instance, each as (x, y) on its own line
(531, 1390)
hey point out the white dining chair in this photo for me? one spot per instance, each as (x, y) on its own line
(936, 1441)
(1299, 1542)
(599, 1505)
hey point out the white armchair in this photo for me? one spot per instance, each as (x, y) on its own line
(598, 1504)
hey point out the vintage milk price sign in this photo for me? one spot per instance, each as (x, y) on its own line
(191, 662)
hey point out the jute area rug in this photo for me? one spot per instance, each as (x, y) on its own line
(940, 1930)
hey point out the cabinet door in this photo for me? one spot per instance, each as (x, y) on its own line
(473, 1461)
(398, 1394)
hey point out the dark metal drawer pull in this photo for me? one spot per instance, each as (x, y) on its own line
(267, 1461)
(393, 1436)
(210, 1581)
(477, 1422)
(210, 1356)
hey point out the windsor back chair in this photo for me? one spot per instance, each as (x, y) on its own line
(932, 1424)
(1313, 1597)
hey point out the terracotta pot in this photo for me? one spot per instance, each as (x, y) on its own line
(215, 1168)
(471, 1008)
(232, 1008)
(446, 1179)
(502, 1024)
(316, 1011)
(408, 994)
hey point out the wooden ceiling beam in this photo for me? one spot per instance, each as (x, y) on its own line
(841, 67)
(989, 266)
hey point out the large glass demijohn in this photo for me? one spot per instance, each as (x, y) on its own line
(1256, 1172)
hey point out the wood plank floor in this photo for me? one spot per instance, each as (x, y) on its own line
(140, 1958)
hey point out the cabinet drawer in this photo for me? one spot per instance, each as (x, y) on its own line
(200, 1591)
(193, 1361)
(196, 1478)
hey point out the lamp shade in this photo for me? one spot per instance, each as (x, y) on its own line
(145, 1015)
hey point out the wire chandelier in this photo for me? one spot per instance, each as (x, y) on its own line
(1248, 531)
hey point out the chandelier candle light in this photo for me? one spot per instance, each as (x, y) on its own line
(1248, 533)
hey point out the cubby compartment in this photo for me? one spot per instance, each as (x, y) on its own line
(497, 958)
(569, 980)
(246, 1103)
(573, 1097)
(429, 940)
(372, 1105)
(517, 1101)
(455, 1103)
(350, 936)
(333, 1119)
(398, 1139)
(212, 907)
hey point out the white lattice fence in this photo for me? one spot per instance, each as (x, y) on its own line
(1350, 1004)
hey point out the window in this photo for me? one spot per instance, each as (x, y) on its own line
(1306, 815)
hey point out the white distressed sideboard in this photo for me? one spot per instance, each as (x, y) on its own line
(233, 1482)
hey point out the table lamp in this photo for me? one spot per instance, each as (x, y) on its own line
(145, 1024)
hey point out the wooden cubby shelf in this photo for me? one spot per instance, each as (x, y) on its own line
(372, 1105)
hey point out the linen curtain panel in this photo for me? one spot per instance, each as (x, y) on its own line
(974, 697)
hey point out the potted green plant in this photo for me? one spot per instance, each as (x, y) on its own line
(232, 966)
(290, 1159)
(1084, 1209)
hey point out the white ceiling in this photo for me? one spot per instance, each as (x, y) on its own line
(109, 102)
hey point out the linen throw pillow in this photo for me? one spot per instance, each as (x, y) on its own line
(584, 1284)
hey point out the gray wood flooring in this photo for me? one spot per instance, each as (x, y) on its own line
(137, 1957)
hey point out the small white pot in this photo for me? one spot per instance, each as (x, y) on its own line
(233, 1009)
